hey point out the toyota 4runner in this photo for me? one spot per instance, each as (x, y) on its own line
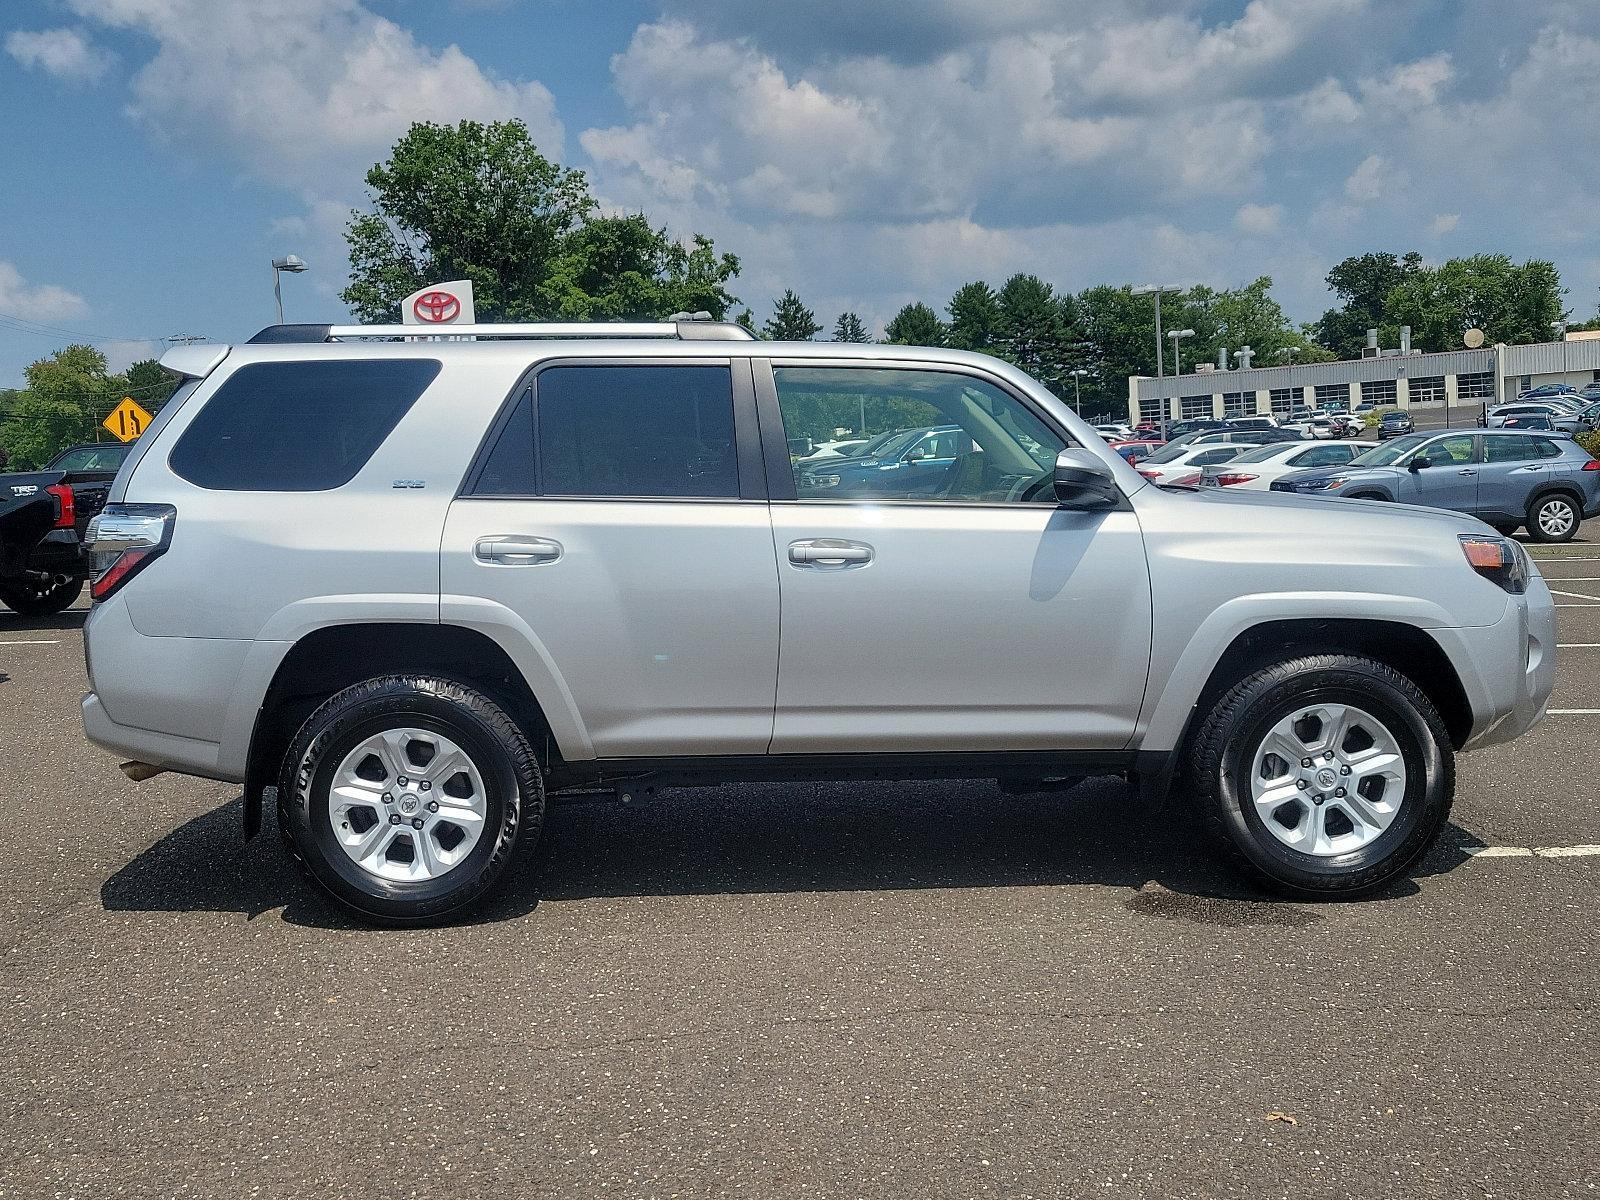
(404, 588)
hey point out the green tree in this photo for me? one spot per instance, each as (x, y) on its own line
(67, 396)
(620, 268)
(791, 321)
(848, 328)
(915, 325)
(1234, 318)
(1037, 330)
(149, 384)
(974, 316)
(1363, 282)
(478, 201)
(1511, 302)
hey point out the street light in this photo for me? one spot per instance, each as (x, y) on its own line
(1289, 353)
(1077, 389)
(291, 263)
(1177, 363)
(1157, 290)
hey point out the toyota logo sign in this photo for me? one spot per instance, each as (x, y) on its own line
(436, 308)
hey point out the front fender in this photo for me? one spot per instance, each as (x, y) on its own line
(1170, 697)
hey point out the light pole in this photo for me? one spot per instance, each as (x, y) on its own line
(1157, 290)
(1175, 335)
(291, 263)
(1289, 353)
(1077, 390)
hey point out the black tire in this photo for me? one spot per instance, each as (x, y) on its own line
(28, 601)
(1550, 507)
(1504, 528)
(1221, 761)
(513, 794)
(1367, 496)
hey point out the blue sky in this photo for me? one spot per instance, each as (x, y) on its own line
(160, 152)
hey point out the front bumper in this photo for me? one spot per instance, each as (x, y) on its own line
(1507, 669)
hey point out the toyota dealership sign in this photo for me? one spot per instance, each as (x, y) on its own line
(439, 304)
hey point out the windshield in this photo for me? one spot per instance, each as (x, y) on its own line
(1168, 454)
(1390, 452)
(1262, 454)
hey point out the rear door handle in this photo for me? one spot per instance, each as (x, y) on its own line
(1467, 471)
(510, 550)
(829, 553)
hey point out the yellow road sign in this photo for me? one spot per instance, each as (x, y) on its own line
(127, 420)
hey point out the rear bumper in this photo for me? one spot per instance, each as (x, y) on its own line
(187, 755)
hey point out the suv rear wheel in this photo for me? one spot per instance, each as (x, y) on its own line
(1325, 777)
(406, 797)
(1553, 517)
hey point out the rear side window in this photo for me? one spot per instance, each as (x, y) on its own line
(298, 426)
(642, 431)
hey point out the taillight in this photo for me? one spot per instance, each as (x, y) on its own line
(66, 505)
(1156, 475)
(124, 539)
(1592, 465)
(1186, 481)
(1231, 479)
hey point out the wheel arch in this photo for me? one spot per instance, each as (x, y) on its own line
(331, 658)
(1408, 649)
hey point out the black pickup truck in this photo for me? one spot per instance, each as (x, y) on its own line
(42, 518)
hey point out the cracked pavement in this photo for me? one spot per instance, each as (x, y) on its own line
(879, 990)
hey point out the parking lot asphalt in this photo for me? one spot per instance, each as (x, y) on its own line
(898, 990)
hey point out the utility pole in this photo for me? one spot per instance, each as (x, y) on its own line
(1157, 290)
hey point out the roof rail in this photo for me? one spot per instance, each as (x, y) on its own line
(683, 326)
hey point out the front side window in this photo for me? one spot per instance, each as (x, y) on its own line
(957, 438)
(1448, 451)
(636, 431)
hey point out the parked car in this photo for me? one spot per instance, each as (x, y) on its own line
(1115, 432)
(1259, 437)
(1181, 429)
(1505, 478)
(1348, 425)
(404, 591)
(912, 464)
(1135, 451)
(1540, 422)
(43, 516)
(1546, 389)
(1395, 423)
(839, 449)
(1254, 470)
(1258, 421)
(1560, 417)
(1172, 463)
(1317, 427)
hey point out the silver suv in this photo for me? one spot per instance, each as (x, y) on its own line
(406, 588)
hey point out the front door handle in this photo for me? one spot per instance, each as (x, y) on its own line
(829, 553)
(1467, 471)
(510, 550)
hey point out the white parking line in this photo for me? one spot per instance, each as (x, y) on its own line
(1573, 595)
(40, 642)
(1578, 645)
(1572, 712)
(1532, 851)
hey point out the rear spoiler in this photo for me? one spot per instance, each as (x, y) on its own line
(193, 362)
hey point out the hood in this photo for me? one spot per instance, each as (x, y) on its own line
(1376, 512)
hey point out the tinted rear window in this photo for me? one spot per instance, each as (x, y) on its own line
(636, 431)
(298, 426)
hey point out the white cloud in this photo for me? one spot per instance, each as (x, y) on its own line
(1366, 182)
(122, 355)
(36, 302)
(1259, 218)
(305, 91)
(1444, 223)
(64, 53)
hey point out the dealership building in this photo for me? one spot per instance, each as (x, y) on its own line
(1452, 387)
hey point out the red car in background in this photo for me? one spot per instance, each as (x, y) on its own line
(1134, 451)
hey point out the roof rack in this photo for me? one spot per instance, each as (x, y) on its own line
(688, 327)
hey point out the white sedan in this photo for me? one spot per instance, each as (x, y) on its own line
(1256, 469)
(1172, 463)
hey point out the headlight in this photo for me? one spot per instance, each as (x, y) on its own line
(1499, 560)
(824, 481)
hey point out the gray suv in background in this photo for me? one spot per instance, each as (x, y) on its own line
(405, 589)
(1505, 478)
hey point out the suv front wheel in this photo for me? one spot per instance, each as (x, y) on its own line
(1325, 777)
(406, 797)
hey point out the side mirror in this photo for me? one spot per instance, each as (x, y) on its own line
(1417, 463)
(917, 454)
(1082, 481)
